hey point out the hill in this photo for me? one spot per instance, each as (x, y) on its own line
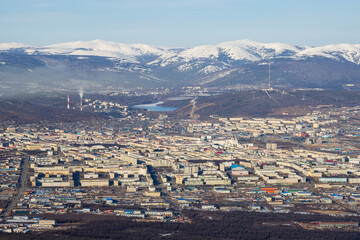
(27, 112)
(265, 103)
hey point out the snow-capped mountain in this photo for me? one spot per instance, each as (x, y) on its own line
(12, 46)
(228, 63)
(100, 48)
(340, 52)
(242, 50)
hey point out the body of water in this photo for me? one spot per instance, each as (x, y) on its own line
(155, 108)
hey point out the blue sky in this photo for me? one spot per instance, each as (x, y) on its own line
(182, 23)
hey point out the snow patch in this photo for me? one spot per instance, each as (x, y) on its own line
(185, 67)
(210, 69)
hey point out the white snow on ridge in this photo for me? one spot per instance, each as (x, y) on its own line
(262, 50)
(104, 49)
(214, 51)
(348, 52)
(12, 45)
(241, 50)
(246, 50)
(206, 51)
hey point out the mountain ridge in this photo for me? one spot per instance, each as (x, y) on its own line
(106, 64)
(244, 49)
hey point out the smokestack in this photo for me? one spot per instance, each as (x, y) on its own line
(80, 104)
(68, 103)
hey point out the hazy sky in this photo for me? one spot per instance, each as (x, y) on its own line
(182, 23)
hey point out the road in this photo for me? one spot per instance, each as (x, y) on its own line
(21, 186)
(336, 202)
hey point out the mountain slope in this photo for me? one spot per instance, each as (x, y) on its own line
(104, 64)
(340, 52)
